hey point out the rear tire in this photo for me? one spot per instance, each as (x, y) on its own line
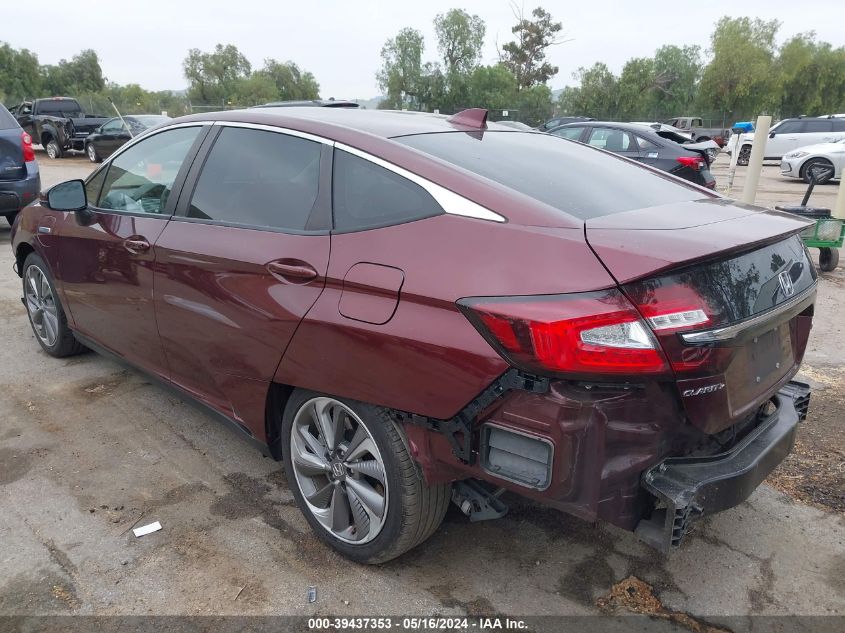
(410, 509)
(53, 149)
(828, 259)
(817, 163)
(744, 156)
(46, 315)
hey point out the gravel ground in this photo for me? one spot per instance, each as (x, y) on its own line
(88, 449)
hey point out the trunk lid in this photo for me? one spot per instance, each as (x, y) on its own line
(738, 288)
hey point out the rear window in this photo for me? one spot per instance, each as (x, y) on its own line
(575, 179)
(7, 121)
(58, 107)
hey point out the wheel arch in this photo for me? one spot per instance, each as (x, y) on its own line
(802, 171)
(277, 398)
(23, 251)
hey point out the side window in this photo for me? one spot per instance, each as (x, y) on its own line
(115, 125)
(643, 144)
(789, 127)
(611, 140)
(572, 133)
(839, 125)
(818, 125)
(366, 195)
(258, 178)
(140, 179)
(94, 185)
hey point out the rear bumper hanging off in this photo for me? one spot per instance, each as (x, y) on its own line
(688, 488)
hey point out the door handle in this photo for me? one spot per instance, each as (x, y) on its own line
(295, 271)
(136, 246)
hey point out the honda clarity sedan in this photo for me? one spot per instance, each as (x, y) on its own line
(410, 310)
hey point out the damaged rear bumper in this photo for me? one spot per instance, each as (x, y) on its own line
(688, 488)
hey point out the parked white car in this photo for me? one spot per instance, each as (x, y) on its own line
(789, 135)
(799, 163)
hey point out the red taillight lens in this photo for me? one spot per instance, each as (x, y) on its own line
(585, 334)
(693, 162)
(28, 151)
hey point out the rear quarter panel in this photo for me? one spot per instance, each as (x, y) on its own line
(428, 358)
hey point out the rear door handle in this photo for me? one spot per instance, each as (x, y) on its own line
(293, 270)
(136, 245)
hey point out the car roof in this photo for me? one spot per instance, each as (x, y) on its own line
(381, 123)
(630, 127)
(313, 103)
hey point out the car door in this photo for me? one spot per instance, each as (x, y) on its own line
(784, 138)
(109, 138)
(242, 262)
(614, 140)
(106, 262)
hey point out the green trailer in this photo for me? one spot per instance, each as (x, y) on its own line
(827, 233)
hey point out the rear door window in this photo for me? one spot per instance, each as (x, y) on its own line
(572, 133)
(611, 139)
(366, 195)
(818, 125)
(141, 178)
(258, 178)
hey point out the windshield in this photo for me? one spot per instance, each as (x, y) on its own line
(576, 179)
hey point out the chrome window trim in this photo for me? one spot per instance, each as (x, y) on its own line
(451, 202)
(148, 134)
(277, 129)
(731, 331)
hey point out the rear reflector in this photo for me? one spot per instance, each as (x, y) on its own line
(595, 333)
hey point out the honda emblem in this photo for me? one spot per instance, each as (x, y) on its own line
(786, 284)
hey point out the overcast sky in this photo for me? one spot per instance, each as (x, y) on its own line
(339, 41)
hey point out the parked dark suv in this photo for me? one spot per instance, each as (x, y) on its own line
(414, 310)
(20, 180)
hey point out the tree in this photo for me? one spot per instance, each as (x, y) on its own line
(290, 82)
(636, 91)
(214, 76)
(596, 96)
(740, 78)
(492, 87)
(534, 104)
(81, 74)
(525, 56)
(20, 74)
(401, 71)
(677, 72)
(460, 37)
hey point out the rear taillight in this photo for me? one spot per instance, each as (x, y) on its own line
(28, 151)
(693, 162)
(583, 334)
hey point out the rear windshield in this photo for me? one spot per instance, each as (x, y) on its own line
(568, 176)
(58, 106)
(7, 121)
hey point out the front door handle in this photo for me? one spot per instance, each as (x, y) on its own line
(295, 271)
(136, 245)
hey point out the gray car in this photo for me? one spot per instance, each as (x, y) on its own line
(20, 181)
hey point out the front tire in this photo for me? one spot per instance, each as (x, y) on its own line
(93, 156)
(353, 477)
(744, 156)
(46, 315)
(817, 164)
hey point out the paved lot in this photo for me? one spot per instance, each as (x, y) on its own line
(87, 448)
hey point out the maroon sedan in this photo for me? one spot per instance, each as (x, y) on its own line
(410, 310)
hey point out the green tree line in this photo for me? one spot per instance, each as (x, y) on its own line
(218, 79)
(747, 73)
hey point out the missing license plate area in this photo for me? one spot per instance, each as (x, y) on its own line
(771, 353)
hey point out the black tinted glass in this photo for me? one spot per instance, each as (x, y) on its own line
(839, 125)
(258, 178)
(820, 125)
(93, 187)
(788, 127)
(366, 195)
(7, 121)
(575, 179)
(59, 106)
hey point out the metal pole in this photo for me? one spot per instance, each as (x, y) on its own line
(122, 120)
(755, 163)
(839, 209)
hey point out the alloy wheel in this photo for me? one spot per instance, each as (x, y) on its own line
(41, 306)
(51, 150)
(339, 470)
(92, 153)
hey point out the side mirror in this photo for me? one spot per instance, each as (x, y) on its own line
(772, 134)
(67, 196)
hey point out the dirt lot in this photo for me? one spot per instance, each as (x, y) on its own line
(88, 449)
